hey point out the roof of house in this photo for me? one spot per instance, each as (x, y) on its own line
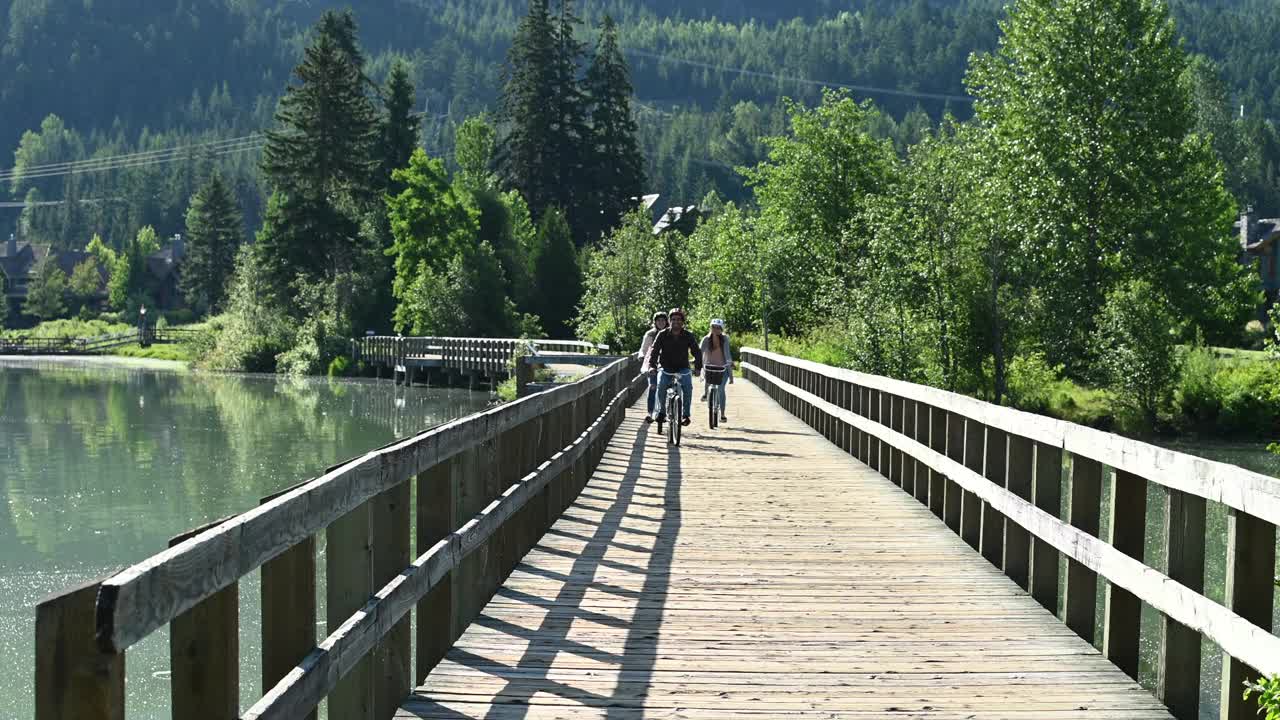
(677, 218)
(162, 263)
(1262, 235)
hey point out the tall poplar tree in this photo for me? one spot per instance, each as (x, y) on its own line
(615, 163)
(215, 230)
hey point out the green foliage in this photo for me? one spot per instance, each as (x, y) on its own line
(1136, 348)
(474, 147)
(669, 273)
(59, 329)
(400, 127)
(1230, 399)
(85, 282)
(1032, 382)
(47, 291)
(617, 303)
(613, 153)
(465, 298)
(215, 230)
(254, 329)
(558, 274)
(341, 366)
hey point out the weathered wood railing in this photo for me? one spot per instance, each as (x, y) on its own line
(484, 355)
(996, 477)
(485, 487)
(91, 345)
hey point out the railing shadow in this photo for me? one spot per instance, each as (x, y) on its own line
(532, 675)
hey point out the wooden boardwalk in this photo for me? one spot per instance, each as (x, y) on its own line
(760, 572)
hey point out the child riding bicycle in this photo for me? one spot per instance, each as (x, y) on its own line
(669, 358)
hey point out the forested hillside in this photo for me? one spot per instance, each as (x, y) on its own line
(149, 76)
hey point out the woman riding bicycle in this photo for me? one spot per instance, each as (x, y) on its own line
(669, 358)
(659, 324)
(718, 357)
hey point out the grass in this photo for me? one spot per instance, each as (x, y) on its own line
(177, 352)
(69, 329)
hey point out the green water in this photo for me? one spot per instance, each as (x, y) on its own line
(101, 463)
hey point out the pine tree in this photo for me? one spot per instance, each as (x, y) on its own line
(215, 230)
(321, 163)
(400, 128)
(543, 101)
(615, 162)
(558, 275)
(527, 159)
(340, 27)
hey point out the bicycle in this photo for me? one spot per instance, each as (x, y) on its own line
(672, 410)
(715, 375)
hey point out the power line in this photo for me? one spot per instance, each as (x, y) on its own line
(801, 80)
(107, 159)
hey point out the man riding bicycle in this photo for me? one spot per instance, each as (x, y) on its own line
(669, 357)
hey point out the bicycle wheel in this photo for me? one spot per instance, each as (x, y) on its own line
(712, 406)
(679, 403)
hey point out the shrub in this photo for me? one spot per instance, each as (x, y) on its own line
(1255, 335)
(340, 366)
(1136, 348)
(1250, 397)
(1032, 382)
(181, 316)
(1198, 395)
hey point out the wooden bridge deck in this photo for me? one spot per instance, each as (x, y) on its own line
(758, 571)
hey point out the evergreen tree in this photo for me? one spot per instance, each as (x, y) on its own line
(527, 156)
(543, 101)
(669, 275)
(46, 295)
(340, 27)
(320, 160)
(558, 274)
(614, 159)
(400, 126)
(215, 230)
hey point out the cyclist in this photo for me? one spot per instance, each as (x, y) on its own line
(659, 324)
(718, 356)
(669, 359)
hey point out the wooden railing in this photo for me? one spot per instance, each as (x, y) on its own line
(485, 487)
(484, 355)
(91, 345)
(996, 477)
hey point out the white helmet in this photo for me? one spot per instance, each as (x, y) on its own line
(717, 323)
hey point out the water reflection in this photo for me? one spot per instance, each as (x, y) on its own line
(101, 464)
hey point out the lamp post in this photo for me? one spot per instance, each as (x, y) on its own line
(142, 327)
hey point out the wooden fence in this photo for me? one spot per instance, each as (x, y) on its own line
(490, 356)
(485, 487)
(92, 345)
(996, 477)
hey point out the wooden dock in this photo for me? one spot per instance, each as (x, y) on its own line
(759, 571)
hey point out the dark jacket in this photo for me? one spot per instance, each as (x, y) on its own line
(671, 352)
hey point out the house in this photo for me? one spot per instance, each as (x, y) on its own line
(1260, 244)
(164, 266)
(682, 219)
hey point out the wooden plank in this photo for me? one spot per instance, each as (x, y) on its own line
(74, 679)
(204, 653)
(1046, 494)
(1178, 668)
(288, 609)
(1122, 614)
(149, 594)
(391, 659)
(1251, 561)
(348, 585)
(1019, 470)
(1080, 597)
(716, 584)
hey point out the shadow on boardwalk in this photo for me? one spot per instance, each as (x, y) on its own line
(530, 675)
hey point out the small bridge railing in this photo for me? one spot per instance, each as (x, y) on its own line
(485, 488)
(996, 477)
(90, 345)
(486, 355)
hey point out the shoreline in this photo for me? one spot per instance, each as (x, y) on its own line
(99, 360)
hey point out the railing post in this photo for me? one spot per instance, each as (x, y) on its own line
(908, 428)
(1019, 469)
(1178, 670)
(75, 680)
(920, 433)
(937, 443)
(1122, 611)
(288, 609)
(348, 585)
(204, 653)
(975, 440)
(1083, 513)
(1046, 492)
(1250, 593)
(437, 517)
(390, 517)
(952, 491)
(994, 469)
(895, 455)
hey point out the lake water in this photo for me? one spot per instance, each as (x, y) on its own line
(102, 462)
